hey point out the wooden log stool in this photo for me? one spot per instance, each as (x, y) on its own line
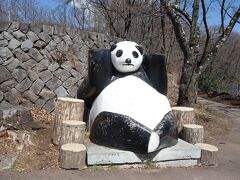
(73, 132)
(208, 154)
(66, 109)
(73, 156)
(192, 133)
(183, 115)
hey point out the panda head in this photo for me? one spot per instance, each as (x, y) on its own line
(126, 56)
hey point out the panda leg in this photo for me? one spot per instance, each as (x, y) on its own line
(122, 132)
(167, 131)
(154, 141)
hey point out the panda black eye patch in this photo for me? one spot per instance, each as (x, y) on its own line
(119, 53)
(135, 54)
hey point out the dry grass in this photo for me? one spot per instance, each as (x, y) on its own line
(216, 125)
(38, 152)
(42, 154)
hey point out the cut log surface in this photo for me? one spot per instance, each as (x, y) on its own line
(192, 133)
(183, 115)
(73, 156)
(208, 154)
(66, 109)
(72, 132)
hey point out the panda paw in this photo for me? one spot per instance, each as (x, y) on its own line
(154, 142)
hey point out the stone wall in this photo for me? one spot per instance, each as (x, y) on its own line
(40, 62)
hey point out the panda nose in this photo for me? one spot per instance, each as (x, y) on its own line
(128, 61)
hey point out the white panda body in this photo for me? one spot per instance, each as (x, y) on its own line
(132, 97)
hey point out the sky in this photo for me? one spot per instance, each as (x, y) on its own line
(48, 3)
(213, 17)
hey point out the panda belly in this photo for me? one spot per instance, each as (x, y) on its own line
(132, 97)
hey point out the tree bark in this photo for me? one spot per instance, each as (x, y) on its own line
(183, 115)
(163, 49)
(72, 132)
(66, 109)
(188, 85)
(208, 154)
(188, 82)
(192, 133)
(73, 156)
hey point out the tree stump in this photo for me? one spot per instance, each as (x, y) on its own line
(192, 133)
(66, 109)
(208, 154)
(72, 132)
(73, 156)
(183, 115)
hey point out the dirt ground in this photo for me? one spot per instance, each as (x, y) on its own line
(216, 125)
(39, 153)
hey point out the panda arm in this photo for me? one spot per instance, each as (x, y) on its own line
(155, 68)
(85, 90)
(99, 75)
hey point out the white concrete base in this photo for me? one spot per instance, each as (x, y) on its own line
(177, 163)
(182, 154)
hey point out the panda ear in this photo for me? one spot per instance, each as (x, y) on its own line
(113, 47)
(140, 49)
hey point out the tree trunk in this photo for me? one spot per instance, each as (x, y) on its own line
(208, 154)
(66, 109)
(188, 85)
(72, 132)
(192, 133)
(73, 156)
(183, 115)
(163, 49)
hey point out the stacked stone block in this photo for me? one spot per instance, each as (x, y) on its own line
(41, 62)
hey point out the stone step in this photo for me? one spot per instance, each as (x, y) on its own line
(182, 154)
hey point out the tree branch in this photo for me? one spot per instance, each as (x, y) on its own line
(179, 32)
(194, 33)
(128, 19)
(223, 37)
(227, 31)
(162, 20)
(181, 11)
(102, 5)
(222, 15)
(207, 33)
(230, 16)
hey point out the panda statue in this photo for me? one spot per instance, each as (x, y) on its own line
(125, 94)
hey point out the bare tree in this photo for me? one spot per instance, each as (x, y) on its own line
(190, 42)
(24, 10)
